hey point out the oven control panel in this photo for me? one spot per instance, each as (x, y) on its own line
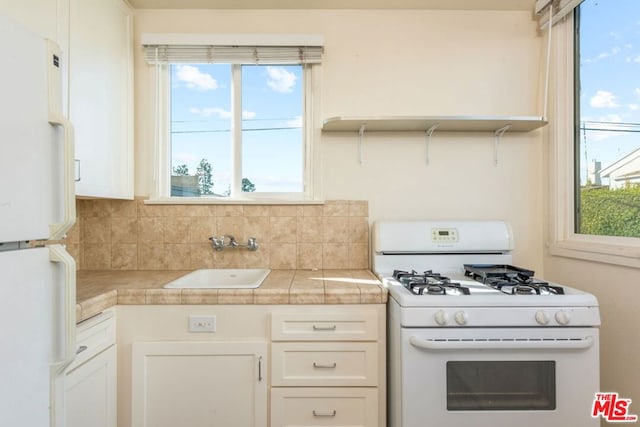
(444, 235)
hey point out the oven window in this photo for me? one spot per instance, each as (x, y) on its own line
(501, 385)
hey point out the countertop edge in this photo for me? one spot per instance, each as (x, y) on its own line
(286, 287)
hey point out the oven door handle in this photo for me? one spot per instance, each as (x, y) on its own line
(503, 344)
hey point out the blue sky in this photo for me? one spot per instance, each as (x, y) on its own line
(272, 123)
(610, 79)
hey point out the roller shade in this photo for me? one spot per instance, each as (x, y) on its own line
(233, 49)
(554, 10)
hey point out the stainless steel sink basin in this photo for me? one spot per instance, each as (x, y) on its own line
(221, 278)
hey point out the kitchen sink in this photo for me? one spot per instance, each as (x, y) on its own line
(221, 278)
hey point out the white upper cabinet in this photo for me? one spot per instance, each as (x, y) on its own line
(43, 17)
(101, 96)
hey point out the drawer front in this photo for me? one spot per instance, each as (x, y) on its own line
(93, 336)
(321, 406)
(361, 325)
(324, 364)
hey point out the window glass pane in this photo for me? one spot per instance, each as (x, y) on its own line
(272, 137)
(501, 385)
(608, 118)
(200, 130)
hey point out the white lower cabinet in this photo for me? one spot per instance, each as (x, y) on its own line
(328, 367)
(90, 381)
(252, 366)
(199, 384)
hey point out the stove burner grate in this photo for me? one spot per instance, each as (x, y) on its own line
(510, 280)
(524, 287)
(429, 283)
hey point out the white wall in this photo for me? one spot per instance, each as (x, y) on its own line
(411, 62)
(617, 291)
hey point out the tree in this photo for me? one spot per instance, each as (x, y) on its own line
(248, 186)
(181, 170)
(205, 182)
(606, 212)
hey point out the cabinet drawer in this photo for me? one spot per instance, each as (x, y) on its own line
(324, 364)
(93, 336)
(325, 326)
(324, 407)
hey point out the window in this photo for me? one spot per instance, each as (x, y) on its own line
(593, 99)
(202, 118)
(607, 119)
(234, 120)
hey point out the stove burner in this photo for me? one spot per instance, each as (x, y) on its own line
(511, 280)
(527, 288)
(429, 283)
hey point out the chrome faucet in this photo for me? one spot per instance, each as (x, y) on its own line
(228, 241)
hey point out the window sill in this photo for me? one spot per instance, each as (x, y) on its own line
(609, 250)
(228, 201)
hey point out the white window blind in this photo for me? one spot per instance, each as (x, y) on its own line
(233, 49)
(554, 10)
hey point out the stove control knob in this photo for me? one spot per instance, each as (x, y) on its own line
(461, 318)
(542, 317)
(562, 317)
(441, 317)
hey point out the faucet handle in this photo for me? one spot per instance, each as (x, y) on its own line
(217, 243)
(252, 244)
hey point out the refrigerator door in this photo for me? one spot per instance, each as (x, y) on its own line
(36, 144)
(35, 313)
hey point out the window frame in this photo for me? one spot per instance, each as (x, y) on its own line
(563, 240)
(312, 191)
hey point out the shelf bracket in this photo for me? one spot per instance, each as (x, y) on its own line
(497, 135)
(360, 135)
(428, 134)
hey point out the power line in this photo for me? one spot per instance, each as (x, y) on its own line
(229, 130)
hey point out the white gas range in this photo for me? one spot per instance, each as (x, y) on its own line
(476, 340)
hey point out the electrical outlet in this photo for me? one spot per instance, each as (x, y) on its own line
(202, 323)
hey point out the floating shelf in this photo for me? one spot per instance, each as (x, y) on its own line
(424, 123)
(498, 125)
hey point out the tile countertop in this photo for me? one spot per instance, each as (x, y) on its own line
(99, 290)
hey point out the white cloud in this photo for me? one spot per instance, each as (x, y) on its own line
(637, 91)
(295, 123)
(221, 113)
(612, 52)
(281, 80)
(603, 99)
(634, 107)
(612, 118)
(248, 115)
(195, 79)
(603, 133)
(208, 112)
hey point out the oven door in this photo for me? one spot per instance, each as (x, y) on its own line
(521, 377)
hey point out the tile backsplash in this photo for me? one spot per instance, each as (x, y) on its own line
(132, 235)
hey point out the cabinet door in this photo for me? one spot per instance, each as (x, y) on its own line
(199, 384)
(90, 392)
(100, 96)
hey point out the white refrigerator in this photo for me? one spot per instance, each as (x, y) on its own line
(37, 203)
